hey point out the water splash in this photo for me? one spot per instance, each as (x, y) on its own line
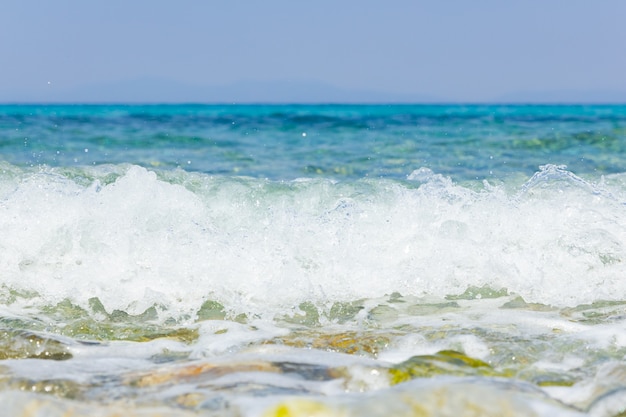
(135, 239)
(550, 174)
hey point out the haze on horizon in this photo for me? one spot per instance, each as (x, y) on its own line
(278, 50)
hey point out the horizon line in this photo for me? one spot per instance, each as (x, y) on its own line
(312, 103)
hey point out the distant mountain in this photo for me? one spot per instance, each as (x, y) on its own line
(153, 90)
(156, 90)
(565, 96)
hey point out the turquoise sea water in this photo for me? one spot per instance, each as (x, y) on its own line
(340, 142)
(299, 260)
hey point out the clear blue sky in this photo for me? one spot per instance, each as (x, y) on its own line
(463, 50)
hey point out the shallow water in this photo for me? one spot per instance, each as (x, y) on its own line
(312, 260)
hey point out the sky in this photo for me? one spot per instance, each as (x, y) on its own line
(273, 50)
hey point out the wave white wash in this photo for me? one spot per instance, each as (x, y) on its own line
(134, 239)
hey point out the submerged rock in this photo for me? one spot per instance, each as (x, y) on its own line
(350, 342)
(445, 362)
(25, 344)
(22, 404)
(439, 397)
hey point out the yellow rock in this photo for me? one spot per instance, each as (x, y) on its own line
(303, 408)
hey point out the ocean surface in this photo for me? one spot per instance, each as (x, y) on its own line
(304, 260)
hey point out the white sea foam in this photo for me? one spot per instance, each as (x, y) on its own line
(134, 238)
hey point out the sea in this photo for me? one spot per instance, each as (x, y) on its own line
(312, 260)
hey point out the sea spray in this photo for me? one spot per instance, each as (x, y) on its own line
(148, 238)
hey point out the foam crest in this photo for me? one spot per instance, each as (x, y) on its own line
(134, 238)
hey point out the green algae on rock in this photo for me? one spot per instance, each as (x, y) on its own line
(445, 362)
(26, 344)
